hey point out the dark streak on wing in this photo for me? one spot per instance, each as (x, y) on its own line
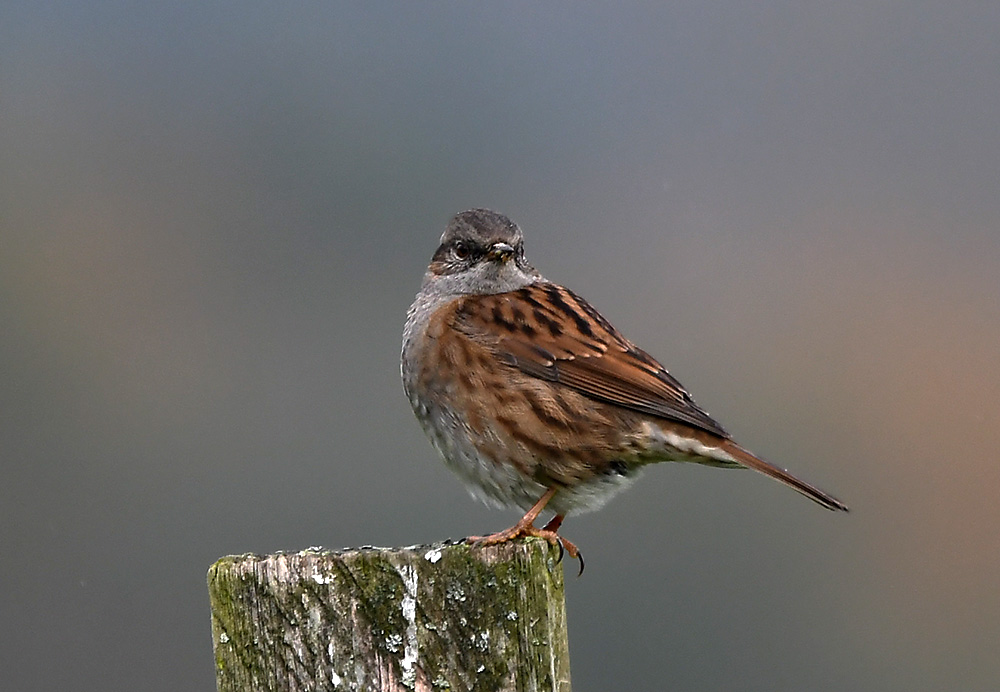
(548, 332)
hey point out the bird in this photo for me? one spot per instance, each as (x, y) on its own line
(534, 399)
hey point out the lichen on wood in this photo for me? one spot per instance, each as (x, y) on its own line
(437, 617)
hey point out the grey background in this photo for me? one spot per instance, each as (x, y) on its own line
(213, 217)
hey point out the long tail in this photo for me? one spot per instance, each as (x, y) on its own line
(747, 459)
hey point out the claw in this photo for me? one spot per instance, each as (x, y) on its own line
(526, 527)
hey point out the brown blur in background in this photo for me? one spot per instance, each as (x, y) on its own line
(214, 216)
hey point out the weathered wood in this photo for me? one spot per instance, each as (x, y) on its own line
(440, 617)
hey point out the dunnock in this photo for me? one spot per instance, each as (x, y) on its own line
(533, 398)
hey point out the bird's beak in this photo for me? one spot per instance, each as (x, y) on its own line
(500, 251)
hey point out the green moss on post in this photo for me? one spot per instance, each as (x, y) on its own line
(439, 617)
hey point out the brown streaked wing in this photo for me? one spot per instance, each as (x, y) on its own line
(549, 332)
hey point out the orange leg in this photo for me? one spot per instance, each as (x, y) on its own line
(554, 523)
(526, 527)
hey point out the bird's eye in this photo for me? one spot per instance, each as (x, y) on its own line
(462, 251)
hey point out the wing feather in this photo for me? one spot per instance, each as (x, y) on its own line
(548, 332)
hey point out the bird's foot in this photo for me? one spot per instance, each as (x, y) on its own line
(525, 529)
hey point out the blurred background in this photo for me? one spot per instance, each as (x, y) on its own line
(214, 216)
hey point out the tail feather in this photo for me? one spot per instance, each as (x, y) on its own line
(747, 459)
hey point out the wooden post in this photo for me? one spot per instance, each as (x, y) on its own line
(444, 617)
